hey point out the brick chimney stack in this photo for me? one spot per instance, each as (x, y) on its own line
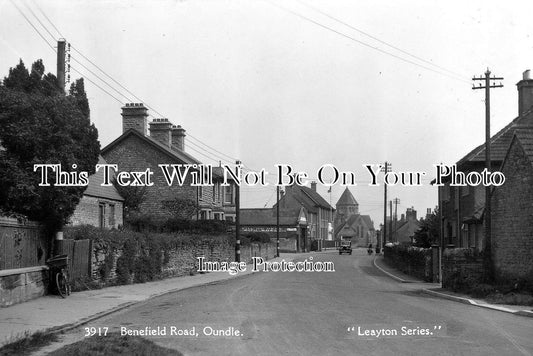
(410, 214)
(525, 92)
(134, 116)
(160, 130)
(178, 137)
(313, 186)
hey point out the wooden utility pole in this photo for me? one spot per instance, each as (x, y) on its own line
(277, 221)
(237, 217)
(61, 64)
(390, 233)
(396, 202)
(487, 254)
(384, 169)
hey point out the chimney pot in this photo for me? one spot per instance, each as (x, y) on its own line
(525, 92)
(134, 116)
(160, 130)
(313, 186)
(178, 137)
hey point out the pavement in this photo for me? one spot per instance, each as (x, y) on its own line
(436, 290)
(53, 313)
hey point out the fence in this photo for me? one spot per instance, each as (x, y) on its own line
(21, 244)
(79, 257)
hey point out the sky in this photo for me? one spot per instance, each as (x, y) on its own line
(297, 82)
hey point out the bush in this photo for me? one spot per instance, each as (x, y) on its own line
(152, 223)
(410, 260)
(262, 237)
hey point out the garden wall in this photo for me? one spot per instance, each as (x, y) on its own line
(461, 268)
(131, 257)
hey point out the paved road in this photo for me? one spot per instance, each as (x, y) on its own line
(325, 314)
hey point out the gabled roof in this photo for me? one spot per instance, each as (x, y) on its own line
(95, 188)
(314, 197)
(347, 198)
(352, 219)
(499, 143)
(174, 154)
(368, 221)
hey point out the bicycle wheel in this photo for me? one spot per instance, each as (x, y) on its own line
(62, 286)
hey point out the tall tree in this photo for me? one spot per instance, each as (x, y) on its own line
(428, 232)
(42, 125)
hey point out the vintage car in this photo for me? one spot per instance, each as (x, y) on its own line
(345, 247)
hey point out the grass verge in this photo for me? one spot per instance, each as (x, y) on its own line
(114, 344)
(28, 343)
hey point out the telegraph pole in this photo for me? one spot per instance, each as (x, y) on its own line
(237, 217)
(385, 169)
(396, 202)
(277, 221)
(61, 63)
(488, 242)
(390, 232)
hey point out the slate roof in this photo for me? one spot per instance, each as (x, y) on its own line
(351, 220)
(405, 231)
(315, 198)
(347, 198)
(95, 188)
(499, 143)
(259, 217)
(174, 154)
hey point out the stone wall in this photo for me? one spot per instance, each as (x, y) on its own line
(23, 284)
(180, 260)
(461, 267)
(512, 217)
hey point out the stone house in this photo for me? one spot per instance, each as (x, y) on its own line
(100, 206)
(512, 211)
(403, 230)
(462, 207)
(352, 225)
(136, 150)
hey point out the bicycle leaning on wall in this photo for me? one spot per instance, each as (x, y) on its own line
(59, 278)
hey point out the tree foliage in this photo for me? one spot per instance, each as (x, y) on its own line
(181, 208)
(42, 125)
(133, 196)
(428, 232)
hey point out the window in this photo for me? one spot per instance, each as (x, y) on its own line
(111, 215)
(228, 194)
(101, 215)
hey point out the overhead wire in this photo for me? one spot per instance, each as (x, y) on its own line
(303, 17)
(210, 151)
(379, 40)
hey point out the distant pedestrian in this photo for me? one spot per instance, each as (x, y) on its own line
(370, 250)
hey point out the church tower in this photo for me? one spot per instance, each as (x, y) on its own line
(346, 206)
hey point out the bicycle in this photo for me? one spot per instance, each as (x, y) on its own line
(59, 274)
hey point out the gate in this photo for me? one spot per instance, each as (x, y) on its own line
(79, 257)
